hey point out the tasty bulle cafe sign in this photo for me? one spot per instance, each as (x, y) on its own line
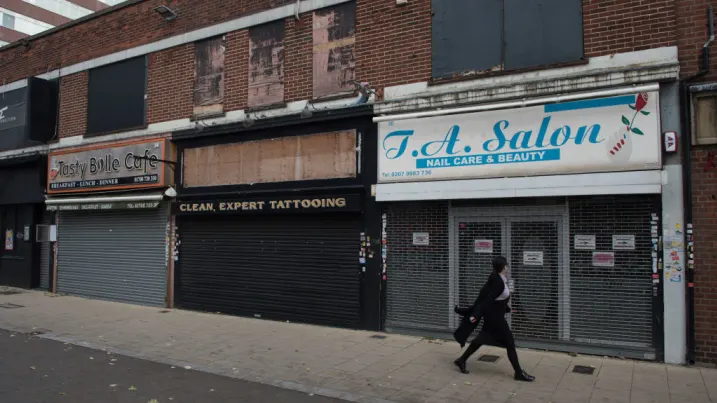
(131, 165)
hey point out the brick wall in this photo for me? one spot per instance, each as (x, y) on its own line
(73, 105)
(393, 45)
(236, 70)
(615, 26)
(692, 35)
(704, 198)
(170, 81)
(119, 30)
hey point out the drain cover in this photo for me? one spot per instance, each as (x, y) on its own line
(10, 306)
(378, 336)
(581, 369)
(488, 358)
(9, 292)
(164, 311)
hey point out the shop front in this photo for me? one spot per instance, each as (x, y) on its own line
(569, 192)
(113, 220)
(277, 224)
(27, 118)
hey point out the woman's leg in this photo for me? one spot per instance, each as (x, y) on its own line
(470, 350)
(509, 342)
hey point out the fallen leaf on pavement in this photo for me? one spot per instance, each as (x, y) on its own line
(114, 385)
(153, 401)
(132, 388)
(33, 368)
(92, 358)
(187, 367)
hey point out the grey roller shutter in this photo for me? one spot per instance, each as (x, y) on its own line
(46, 254)
(117, 255)
(297, 268)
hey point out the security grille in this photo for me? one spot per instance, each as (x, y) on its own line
(302, 268)
(114, 255)
(417, 275)
(612, 304)
(561, 295)
(536, 272)
(46, 254)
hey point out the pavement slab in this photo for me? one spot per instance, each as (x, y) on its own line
(345, 364)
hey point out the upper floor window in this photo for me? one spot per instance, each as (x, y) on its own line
(475, 36)
(64, 8)
(116, 97)
(8, 21)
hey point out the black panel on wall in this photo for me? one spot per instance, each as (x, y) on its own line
(116, 97)
(467, 36)
(542, 32)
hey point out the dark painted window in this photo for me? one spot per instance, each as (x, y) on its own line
(116, 97)
(472, 36)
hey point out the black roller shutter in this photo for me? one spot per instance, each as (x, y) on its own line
(299, 268)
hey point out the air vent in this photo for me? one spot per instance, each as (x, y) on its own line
(488, 358)
(581, 369)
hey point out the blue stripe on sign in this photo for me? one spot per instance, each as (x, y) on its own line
(590, 103)
(552, 154)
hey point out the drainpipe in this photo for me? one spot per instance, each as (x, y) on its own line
(687, 173)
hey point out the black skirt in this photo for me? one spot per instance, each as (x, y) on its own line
(495, 330)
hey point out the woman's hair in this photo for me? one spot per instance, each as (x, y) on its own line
(499, 263)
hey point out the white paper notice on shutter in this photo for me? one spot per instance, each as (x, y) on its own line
(584, 242)
(483, 246)
(532, 258)
(421, 238)
(623, 242)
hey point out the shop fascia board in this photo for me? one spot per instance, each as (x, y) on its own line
(608, 183)
(621, 69)
(155, 196)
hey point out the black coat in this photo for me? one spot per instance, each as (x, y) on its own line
(491, 290)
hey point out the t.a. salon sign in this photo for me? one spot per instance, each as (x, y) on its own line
(122, 166)
(596, 135)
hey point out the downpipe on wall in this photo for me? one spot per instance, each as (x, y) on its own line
(687, 180)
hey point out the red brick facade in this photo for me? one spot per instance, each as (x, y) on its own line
(704, 199)
(169, 84)
(393, 47)
(692, 35)
(73, 105)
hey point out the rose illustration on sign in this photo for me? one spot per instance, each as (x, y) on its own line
(619, 145)
(53, 173)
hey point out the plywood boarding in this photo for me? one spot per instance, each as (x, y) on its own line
(334, 38)
(266, 64)
(316, 156)
(209, 77)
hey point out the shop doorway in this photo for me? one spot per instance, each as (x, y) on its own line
(534, 244)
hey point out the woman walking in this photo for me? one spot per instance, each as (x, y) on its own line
(491, 305)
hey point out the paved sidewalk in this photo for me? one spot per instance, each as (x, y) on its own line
(345, 364)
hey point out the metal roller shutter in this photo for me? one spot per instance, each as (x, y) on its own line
(297, 268)
(562, 298)
(46, 254)
(117, 255)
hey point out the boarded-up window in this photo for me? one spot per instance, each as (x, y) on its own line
(316, 156)
(209, 77)
(334, 39)
(705, 131)
(115, 97)
(266, 64)
(473, 36)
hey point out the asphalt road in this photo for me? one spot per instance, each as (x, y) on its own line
(34, 370)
